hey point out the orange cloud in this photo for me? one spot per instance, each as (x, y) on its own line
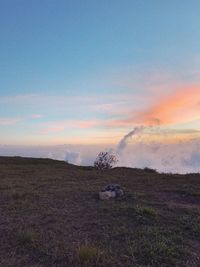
(182, 105)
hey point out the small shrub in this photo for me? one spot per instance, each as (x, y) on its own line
(105, 161)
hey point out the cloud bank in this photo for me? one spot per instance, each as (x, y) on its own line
(182, 157)
(179, 157)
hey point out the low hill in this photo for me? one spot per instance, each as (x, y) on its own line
(50, 215)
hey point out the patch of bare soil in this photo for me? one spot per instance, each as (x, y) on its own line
(181, 200)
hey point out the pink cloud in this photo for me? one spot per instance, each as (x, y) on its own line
(55, 127)
(36, 116)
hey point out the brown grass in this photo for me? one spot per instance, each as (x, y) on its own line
(50, 208)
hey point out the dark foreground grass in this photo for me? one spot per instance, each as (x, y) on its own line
(50, 215)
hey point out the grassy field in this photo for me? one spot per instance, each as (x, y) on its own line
(50, 215)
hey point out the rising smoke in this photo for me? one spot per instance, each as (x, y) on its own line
(73, 157)
(124, 141)
(179, 157)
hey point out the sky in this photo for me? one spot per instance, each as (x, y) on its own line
(86, 72)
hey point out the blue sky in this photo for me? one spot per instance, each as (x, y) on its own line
(68, 69)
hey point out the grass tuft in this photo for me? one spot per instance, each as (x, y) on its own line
(146, 211)
(88, 254)
(27, 237)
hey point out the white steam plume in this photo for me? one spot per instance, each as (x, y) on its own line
(124, 141)
(73, 157)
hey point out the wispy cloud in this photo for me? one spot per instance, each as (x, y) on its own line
(60, 126)
(181, 105)
(9, 121)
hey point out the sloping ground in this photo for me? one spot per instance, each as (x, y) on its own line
(50, 215)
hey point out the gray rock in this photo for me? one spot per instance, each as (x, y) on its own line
(111, 191)
(103, 195)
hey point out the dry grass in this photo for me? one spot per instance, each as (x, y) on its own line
(88, 254)
(50, 208)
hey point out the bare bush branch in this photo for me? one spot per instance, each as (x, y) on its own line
(105, 161)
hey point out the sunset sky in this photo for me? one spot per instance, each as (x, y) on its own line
(88, 72)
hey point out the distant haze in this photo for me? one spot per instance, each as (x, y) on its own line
(183, 157)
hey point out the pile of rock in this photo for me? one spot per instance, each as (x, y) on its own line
(111, 191)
